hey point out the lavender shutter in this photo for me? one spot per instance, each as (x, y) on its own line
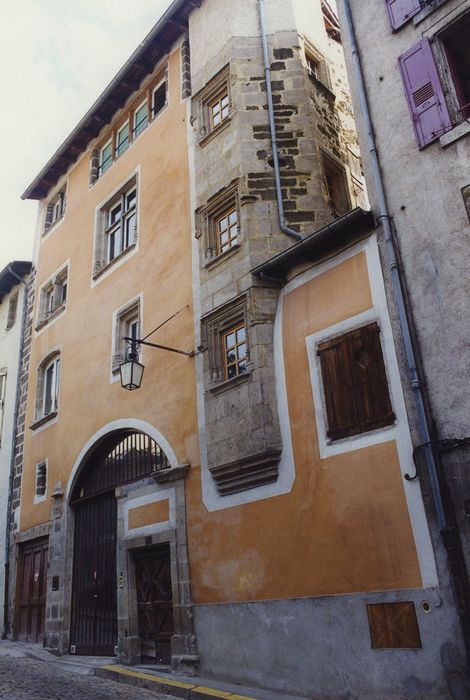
(400, 11)
(424, 93)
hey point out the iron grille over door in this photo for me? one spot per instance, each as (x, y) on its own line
(94, 604)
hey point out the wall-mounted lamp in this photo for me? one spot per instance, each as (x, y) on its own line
(132, 370)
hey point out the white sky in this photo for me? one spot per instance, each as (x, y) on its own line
(56, 57)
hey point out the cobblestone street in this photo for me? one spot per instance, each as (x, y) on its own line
(28, 679)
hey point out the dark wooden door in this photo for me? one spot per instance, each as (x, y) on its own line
(155, 603)
(94, 601)
(32, 591)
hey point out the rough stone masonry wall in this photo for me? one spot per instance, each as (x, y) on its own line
(308, 117)
(13, 514)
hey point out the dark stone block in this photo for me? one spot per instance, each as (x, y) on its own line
(283, 53)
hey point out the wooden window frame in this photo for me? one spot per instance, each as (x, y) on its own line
(215, 327)
(349, 409)
(238, 361)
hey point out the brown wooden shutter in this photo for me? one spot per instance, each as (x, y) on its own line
(338, 387)
(369, 379)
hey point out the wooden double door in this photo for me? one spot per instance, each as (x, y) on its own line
(32, 590)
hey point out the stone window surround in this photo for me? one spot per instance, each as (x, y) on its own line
(309, 51)
(100, 247)
(340, 170)
(146, 94)
(219, 84)
(53, 215)
(207, 217)
(214, 326)
(39, 417)
(54, 284)
(132, 308)
(12, 310)
(41, 473)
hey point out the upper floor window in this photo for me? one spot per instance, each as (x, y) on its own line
(355, 384)
(116, 226)
(122, 139)
(234, 349)
(400, 11)
(138, 118)
(219, 222)
(12, 310)
(212, 105)
(159, 98)
(55, 209)
(47, 389)
(436, 78)
(127, 324)
(106, 157)
(316, 65)
(336, 186)
(52, 297)
(121, 223)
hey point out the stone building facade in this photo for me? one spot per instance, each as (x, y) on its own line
(246, 513)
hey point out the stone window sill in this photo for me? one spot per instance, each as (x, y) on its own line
(455, 134)
(51, 317)
(53, 226)
(164, 476)
(112, 262)
(219, 387)
(213, 262)
(42, 421)
(218, 129)
(422, 14)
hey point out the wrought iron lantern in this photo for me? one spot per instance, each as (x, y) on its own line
(131, 370)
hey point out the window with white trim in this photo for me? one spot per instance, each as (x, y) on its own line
(122, 139)
(47, 389)
(106, 157)
(116, 226)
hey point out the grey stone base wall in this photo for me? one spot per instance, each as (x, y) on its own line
(321, 648)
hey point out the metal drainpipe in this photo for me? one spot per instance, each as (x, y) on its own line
(12, 461)
(277, 177)
(449, 534)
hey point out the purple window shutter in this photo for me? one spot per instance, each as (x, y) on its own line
(400, 11)
(424, 93)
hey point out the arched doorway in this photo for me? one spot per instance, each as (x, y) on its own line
(121, 457)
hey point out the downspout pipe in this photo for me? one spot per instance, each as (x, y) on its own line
(272, 126)
(450, 537)
(12, 459)
(385, 220)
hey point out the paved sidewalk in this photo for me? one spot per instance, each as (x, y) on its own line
(32, 663)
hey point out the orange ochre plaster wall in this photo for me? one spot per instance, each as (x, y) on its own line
(157, 512)
(345, 526)
(160, 270)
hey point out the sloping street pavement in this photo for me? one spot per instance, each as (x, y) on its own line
(25, 678)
